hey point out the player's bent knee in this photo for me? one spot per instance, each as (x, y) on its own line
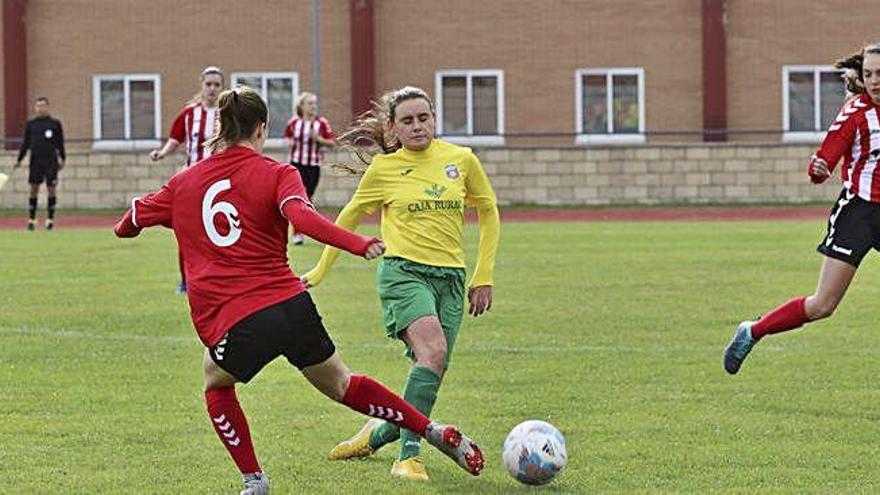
(434, 359)
(819, 309)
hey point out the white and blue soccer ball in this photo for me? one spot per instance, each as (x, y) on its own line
(534, 452)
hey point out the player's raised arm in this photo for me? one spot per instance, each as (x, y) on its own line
(147, 211)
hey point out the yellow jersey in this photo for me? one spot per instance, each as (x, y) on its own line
(422, 195)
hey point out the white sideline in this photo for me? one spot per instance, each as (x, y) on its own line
(76, 334)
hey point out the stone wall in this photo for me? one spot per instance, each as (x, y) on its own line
(699, 173)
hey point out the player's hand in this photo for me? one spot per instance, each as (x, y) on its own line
(60, 164)
(480, 299)
(17, 164)
(156, 155)
(309, 280)
(375, 250)
(818, 170)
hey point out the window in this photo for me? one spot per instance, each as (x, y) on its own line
(470, 106)
(610, 105)
(812, 97)
(279, 90)
(126, 110)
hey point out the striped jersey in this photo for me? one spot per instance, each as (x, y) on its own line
(855, 136)
(193, 127)
(304, 150)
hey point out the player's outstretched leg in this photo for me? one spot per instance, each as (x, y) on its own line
(739, 347)
(788, 316)
(367, 396)
(232, 428)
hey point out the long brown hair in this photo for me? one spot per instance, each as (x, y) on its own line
(242, 110)
(852, 67)
(368, 134)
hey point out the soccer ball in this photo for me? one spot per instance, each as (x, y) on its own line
(534, 452)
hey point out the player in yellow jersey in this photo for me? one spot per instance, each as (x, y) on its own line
(422, 186)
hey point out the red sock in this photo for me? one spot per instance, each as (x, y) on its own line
(789, 316)
(367, 396)
(232, 428)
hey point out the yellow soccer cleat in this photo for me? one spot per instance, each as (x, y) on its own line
(412, 469)
(356, 446)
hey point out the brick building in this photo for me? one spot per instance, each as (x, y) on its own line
(503, 72)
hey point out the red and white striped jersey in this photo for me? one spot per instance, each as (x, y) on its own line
(855, 136)
(193, 127)
(304, 150)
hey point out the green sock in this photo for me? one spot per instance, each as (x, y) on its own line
(383, 435)
(420, 391)
(420, 378)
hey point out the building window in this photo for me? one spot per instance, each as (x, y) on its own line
(126, 110)
(610, 105)
(279, 90)
(812, 97)
(470, 106)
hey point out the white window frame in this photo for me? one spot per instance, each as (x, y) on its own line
(127, 143)
(468, 74)
(609, 138)
(789, 136)
(279, 142)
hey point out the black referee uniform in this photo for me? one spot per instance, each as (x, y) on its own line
(44, 138)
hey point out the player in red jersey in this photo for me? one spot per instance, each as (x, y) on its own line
(193, 127)
(308, 134)
(230, 215)
(854, 224)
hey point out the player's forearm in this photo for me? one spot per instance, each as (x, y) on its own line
(308, 221)
(348, 218)
(170, 147)
(490, 231)
(22, 151)
(126, 227)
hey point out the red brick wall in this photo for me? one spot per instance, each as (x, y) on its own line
(71, 41)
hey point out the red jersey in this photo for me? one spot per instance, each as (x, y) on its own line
(193, 127)
(304, 150)
(230, 216)
(855, 136)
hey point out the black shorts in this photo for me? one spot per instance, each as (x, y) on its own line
(291, 328)
(310, 174)
(853, 229)
(43, 172)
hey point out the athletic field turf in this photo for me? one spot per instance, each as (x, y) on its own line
(611, 331)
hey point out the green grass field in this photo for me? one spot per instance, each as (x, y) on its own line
(611, 331)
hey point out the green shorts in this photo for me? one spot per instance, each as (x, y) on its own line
(410, 290)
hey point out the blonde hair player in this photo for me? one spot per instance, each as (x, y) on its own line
(247, 306)
(308, 134)
(854, 223)
(422, 186)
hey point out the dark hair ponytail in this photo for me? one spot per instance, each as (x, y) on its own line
(242, 110)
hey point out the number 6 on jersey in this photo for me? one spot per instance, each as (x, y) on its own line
(209, 210)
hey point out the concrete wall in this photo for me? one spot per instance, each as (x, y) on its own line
(697, 173)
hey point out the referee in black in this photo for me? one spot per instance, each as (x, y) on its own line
(45, 139)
